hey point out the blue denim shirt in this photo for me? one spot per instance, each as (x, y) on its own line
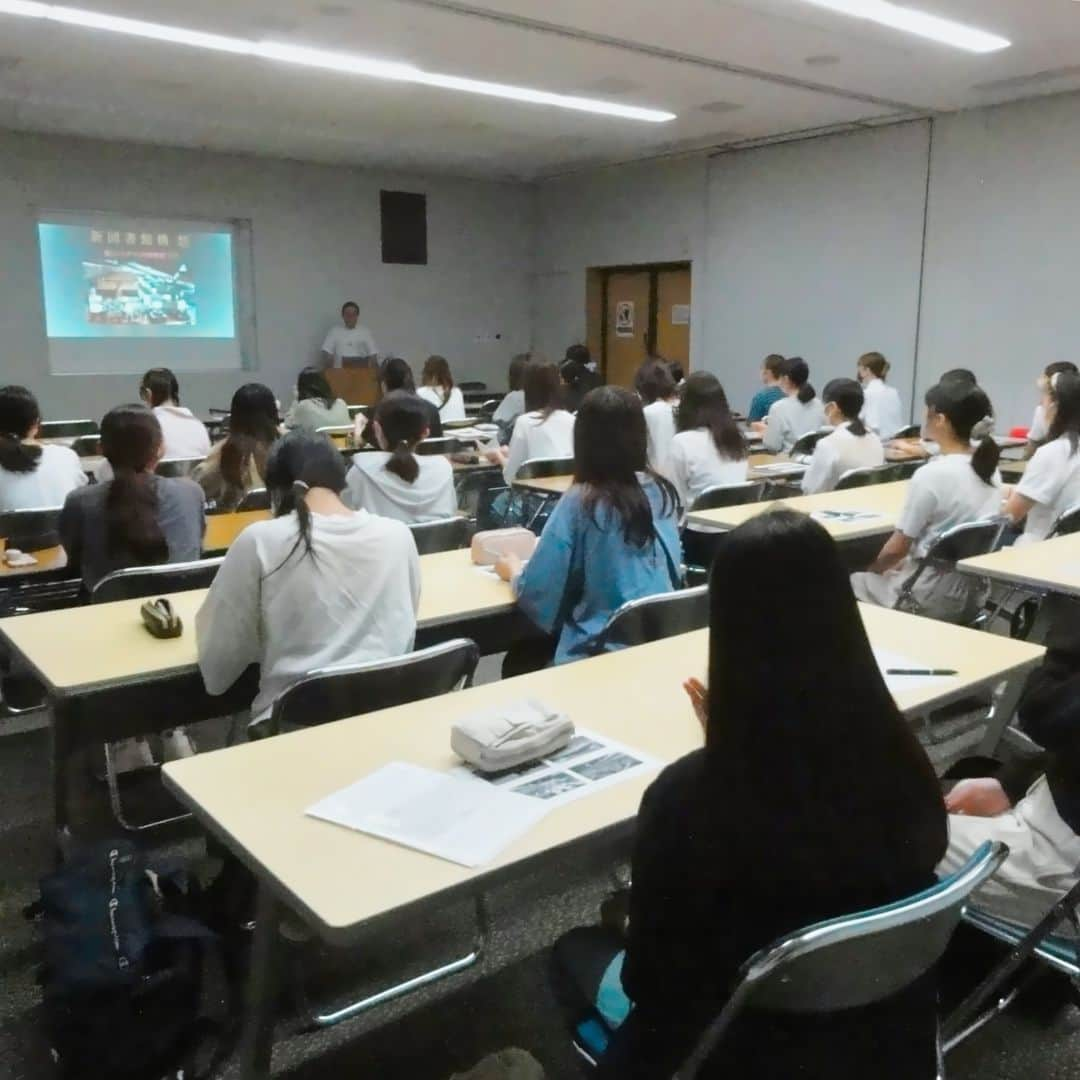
(583, 570)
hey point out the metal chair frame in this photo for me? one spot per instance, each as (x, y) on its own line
(67, 429)
(178, 467)
(912, 431)
(335, 429)
(543, 468)
(255, 499)
(651, 618)
(443, 445)
(723, 495)
(868, 477)
(806, 444)
(446, 534)
(87, 445)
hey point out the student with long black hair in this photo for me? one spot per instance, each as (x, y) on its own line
(393, 482)
(1040, 423)
(513, 405)
(316, 404)
(545, 429)
(613, 536)
(33, 475)
(1051, 483)
(238, 463)
(708, 449)
(796, 414)
(851, 445)
(956, 487)
(438, 388)
(656, 388)
(811, 799)
(320, 584)
(396, 374)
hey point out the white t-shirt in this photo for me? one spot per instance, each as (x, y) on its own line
(354, 602)
(1039, 427)
(789, 420)
(341, 342)
(838, 453)
(534, 437)
(454, 406)
(511, 406)
(882, 412)
(1052, 482)
(184, 435)
(58, 471)
(695, 465)
(371, 486)
(660, 422)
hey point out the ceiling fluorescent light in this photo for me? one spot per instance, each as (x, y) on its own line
(326, 60)
(918, 22)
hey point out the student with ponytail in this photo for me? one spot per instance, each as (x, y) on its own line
(850, 446)
(883, 412)
(318, 585)
(393, 482)
(956, 487)
(797, 414)
(32, 475)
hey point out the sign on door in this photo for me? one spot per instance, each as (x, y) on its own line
(624, 318)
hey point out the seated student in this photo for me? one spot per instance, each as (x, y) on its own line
(393, 482)
(513, 405)
(579, 375)
(613, 537)
(708, 449)
(812, 799)
(678, 375)
(850, 446)
(440, 390)
(796, 414)
(183, 434)
(658, 394)
(1051, 483)
(395, 374)
(33, 475)
(544, 430)
(957, 486)
(770, 393)
(316, 406)
(1033, 805)
(238, 463)
(883, 412)
(318, 585)
(1040, 425)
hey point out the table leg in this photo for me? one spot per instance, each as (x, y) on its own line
(1004, 709)
(62, 721)
(257, 1036)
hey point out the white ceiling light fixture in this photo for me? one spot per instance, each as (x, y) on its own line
(917, 22)
(326, 60)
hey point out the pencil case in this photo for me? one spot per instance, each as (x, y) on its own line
(510, 735)
(490, 546)
(159, 618)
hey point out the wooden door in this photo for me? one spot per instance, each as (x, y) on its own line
(626, 342)
(673, 315)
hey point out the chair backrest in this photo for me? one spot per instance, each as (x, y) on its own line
(87, 445)
(651, 618)
(137, 581)
(1068, 523)
(67, 429)
(912, 431)
(337, 692)
(255, 499)
(905, 470)
(178, 466)
(540, 468)
(431, 447)
(335, 429)
(966, 541)
(447, 534)
(355, 409)
(722, 495)
(805, 444)
(876, 474)
(31, 530)
(469, 387)
(852, 961)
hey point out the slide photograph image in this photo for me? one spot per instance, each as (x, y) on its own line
(135, 294)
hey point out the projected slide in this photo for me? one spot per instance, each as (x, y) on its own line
(135, 278)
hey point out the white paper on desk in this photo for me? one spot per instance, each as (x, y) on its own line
(434, 812)
(780, 467)
(845, 517)
(886, 660)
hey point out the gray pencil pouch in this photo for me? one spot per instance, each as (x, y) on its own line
(510, 735)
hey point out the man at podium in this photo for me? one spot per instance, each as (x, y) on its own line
(349, 345)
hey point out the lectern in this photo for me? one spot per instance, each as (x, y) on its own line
(355, 385)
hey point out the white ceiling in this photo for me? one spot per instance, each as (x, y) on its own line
(731, 71)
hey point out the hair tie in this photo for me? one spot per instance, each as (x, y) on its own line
(1054, 379)
(301, 485)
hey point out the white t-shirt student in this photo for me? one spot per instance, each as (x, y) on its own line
(882, 411)
(58, 472)
(534, 437)
(371, 486)
(453, 408)
(789, 420)
(1039, 427)
(354, 602)
(695, 464)
(343, 342)
(837, 454)
(510, 408)
(183, 434)
(660, 424)
(1052, 482)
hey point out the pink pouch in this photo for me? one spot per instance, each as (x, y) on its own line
(488, 547)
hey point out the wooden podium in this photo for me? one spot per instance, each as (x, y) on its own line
(355, 385)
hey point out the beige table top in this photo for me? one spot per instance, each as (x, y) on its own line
(884, 500)
(254, 796)
(548, 485)
(106, 643)
(1013, 470)
(1049, 566)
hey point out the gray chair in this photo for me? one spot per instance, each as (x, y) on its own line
(1068, 523)
(31, 530)
(912, 431)
(543, 468)
(722, 495)
(447, 534)
(853, 961)
(448, 445)
(905, 470)
(355, 410)
(651, 618)
(87, 445)
(472, 388)
(805, 445)
(868, 477)
(133, 583)
(178, 467)
(67, 429)
(255, 499)
(487, 409)
(335, 429)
